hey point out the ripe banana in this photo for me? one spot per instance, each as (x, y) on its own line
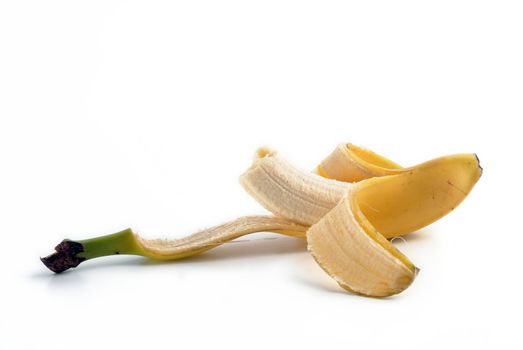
(305, 197)
(347, 213)
(351, 221)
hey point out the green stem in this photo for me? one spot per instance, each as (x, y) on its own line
(70, 253)
(122, 242)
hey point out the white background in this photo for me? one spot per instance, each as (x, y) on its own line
(144, 113)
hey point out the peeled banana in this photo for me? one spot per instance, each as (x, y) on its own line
(305, 197)
(347, 208)
(351, 221)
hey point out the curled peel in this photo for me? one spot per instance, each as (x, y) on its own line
(164, 249)
(359, 258)
(70, 253)
(351, 163)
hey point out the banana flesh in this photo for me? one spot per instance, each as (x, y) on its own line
(289, 192)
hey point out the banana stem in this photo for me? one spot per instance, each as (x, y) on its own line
(122, 242)
(72, 253)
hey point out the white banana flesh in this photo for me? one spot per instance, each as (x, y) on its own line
(289, 192)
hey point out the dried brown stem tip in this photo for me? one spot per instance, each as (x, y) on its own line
(65, 256)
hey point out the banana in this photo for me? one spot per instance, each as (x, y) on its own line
(352, 221)
(346, 209)
(69, 253)
(305, 197)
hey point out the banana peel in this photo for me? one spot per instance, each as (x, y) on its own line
(69, 254)
(352, 163)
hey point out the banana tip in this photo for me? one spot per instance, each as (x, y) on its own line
(479, 163)
(264, 151)
(416, 271)
(64, 257)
